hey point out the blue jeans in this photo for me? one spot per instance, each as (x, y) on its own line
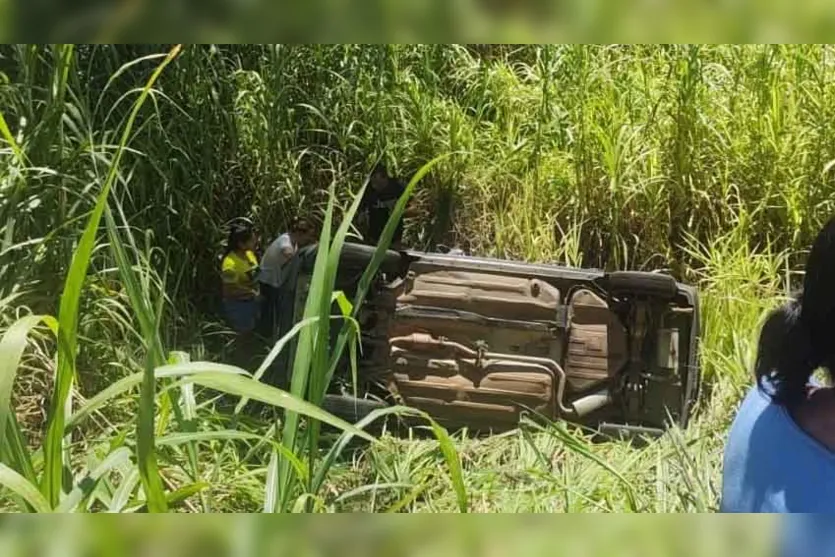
(242, 315)
(269, 309)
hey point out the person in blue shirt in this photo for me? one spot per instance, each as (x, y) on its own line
(780, 453)
(805, 535)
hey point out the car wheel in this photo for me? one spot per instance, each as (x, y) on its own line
(635, 282)
(360, 255)
(692, 391)
(350, 408)
(356, 256)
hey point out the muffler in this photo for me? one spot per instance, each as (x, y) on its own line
(591, 403)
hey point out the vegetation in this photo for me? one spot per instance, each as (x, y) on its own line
(120, 165)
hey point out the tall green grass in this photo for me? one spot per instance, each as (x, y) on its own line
(314, 364)
(711, 162)
(631, 145)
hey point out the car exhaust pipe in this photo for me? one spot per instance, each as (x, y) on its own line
(592, 403)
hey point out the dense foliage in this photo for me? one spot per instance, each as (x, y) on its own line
(714, 162)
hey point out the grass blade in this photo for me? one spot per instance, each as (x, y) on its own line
(279, 346)
(20, 486)
(228, 434)
(149, 473)
(180, 494)
(125, 384)
(123, 493)
(186, 416)
(323, 358)
(319, 379)
(377, 259)
(241, 386)
(6, 134)
(557, 431)
(271, 484)
(172, 498)
(453, 462)
(52, 483)
(409, 499)
(306, 353)
(345, 438)
(88, 484)
(12, 347)
(14, 451)
(363, 489)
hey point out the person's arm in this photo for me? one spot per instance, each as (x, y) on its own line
(286, 247)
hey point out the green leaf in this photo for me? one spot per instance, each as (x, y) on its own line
(408, 499)
(125, 384)
(182, 493)
(558, 431)
(172, 498)
(20, 486)
(15, 453)
(363, 489)
(187, 416)
(377, 258)
(88, 484)
(7, 135)
(453, 462)
(123, 493)
(345, 438)
(306, 354)
(308, 502)
(276, 350)
(271, 484)
(145, 453)
(241, 386)
(345, 305)
(321, 379)
(229, 434)
(448, 450)
(125, 67)
(12, 347)
(53, 477)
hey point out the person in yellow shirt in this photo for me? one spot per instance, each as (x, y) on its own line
(239, 269)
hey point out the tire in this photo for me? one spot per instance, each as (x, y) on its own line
(350, 408)
(356, 256)
(360, 255)
(692, 392)
(693, 387)
(636, 282)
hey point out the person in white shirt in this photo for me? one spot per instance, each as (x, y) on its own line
(275, 258)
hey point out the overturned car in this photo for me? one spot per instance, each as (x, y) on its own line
(476, 342)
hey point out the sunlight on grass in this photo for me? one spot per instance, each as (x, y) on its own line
(707, 162)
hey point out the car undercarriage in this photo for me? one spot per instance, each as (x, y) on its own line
(477, 342)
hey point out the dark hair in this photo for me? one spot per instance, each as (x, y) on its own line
(799, 337)
(301, 224)
(239, 232)
(380, 168)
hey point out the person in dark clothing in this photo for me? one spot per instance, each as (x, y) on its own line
(377, 204)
